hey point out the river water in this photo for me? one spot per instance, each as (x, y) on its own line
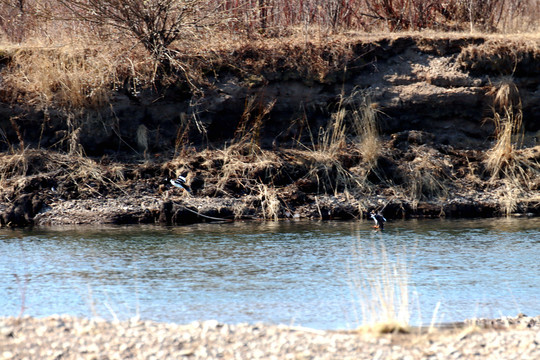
(313, 274)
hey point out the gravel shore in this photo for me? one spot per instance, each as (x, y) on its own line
(65, 337)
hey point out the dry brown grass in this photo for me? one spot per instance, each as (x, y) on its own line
(84, 67)
(83, 173)
(502, 55)
(71, 76)
(427, 175)
(380, 287)
(270, 203)
(508, 120)
(365, 118)
(352, 129)
(62, 77)
(509, 167)
(238, 168)
(502, 159)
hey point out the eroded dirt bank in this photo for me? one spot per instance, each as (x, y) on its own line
(291, 138)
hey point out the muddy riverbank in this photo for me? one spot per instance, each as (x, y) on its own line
(409, 125)
(439, 181)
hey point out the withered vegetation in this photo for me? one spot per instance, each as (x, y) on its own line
(70, 60)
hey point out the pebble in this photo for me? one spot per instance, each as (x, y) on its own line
(75, 338)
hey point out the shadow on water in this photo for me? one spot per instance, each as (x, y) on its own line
(278, 272)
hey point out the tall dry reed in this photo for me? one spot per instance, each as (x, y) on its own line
(504, 161)
(380, 286)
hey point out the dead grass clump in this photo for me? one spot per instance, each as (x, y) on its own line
(505, 96)
(23, 163)
(510, 168)
(82, 173)
(238, 169)
(501, 57)
(73, 77)
(426, 175)
(270, 203)
(352, 129)
(501, 159)
(365, 120)
(65, 77)
(380, 286)
(322, 163)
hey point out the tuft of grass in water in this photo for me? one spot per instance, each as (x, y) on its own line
(380, 286)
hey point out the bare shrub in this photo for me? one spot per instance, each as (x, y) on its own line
(405, 14)
(278, 17)
(155, 23)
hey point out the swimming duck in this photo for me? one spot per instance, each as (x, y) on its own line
(379, 220)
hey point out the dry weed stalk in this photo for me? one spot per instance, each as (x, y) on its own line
(269, 202)
(501, 158)
(248, 131)
(381, 287)
(365, 121)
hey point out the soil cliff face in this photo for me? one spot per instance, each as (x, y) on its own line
(438, 85)
(432, 97)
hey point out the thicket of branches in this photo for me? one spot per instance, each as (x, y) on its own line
(158, 23)
(393, 15)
